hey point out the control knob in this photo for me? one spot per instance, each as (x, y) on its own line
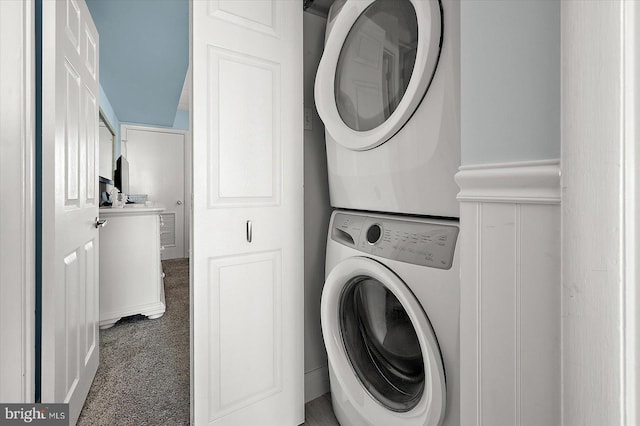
(374, 233)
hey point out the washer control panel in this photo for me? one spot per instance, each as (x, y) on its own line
(415, 241)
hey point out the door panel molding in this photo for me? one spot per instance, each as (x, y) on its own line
(232, 178)
(242, 361)
(262, 17)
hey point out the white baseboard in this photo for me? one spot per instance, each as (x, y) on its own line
(510, 299)
(316, 383)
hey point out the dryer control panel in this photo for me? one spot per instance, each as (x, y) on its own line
(415, 241)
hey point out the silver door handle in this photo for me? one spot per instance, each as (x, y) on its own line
(100, 223)
(249, 231)
(179, 202)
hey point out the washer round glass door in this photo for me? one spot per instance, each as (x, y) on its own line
(381, 343)
(379, 339)
(379, 60)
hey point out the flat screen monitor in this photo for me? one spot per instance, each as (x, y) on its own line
(121, 175)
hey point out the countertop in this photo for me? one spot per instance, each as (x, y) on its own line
(131, 209)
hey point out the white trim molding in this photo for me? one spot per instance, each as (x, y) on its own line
(535, 182)
(17, 216)
(631, 209)
(510, 293)
(600, 213)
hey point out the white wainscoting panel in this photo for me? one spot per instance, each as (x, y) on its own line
(510, 296)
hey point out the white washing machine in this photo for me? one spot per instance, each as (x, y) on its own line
(387, 90)
(390, 320)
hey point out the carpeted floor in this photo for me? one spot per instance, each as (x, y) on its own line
(143, 376)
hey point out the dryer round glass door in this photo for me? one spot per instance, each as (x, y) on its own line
(378, 63)
(375, 64)
(381, 347)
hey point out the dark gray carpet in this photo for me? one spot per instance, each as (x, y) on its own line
(143, 376)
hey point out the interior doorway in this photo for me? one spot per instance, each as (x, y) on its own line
(144, 370)
(247, 204)
(160, 165)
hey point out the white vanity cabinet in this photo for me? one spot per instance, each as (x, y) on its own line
(131, 278)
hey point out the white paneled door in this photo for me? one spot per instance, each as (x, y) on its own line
(69, 203)
(247, 263)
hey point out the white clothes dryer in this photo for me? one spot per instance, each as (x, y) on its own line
(390, 320)
(387, 90)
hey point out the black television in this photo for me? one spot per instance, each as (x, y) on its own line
(121, 175)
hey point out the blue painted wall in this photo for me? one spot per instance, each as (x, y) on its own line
(144, 55)
(510, 80)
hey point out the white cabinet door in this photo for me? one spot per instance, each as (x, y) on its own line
(69, 203)
(247, 263)
(157, 168)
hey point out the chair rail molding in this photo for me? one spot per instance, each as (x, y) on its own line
(510, 293)
(535, 182)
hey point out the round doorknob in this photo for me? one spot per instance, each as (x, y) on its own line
(179, 202)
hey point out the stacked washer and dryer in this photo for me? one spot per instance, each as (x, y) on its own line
(387, 90)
